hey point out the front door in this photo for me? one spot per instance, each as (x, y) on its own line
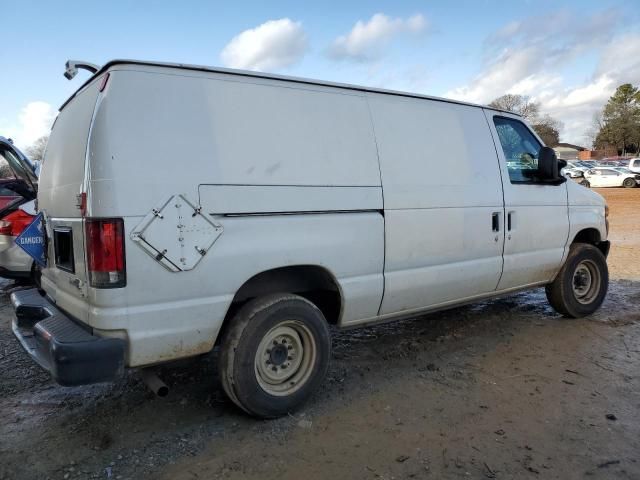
(537, 217)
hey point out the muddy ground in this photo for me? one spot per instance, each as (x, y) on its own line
(501, 389)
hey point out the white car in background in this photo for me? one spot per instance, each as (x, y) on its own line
(634, 165)
(611, 177)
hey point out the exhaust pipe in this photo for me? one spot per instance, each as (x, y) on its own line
(151, 380)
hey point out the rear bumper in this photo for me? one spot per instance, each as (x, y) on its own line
(71, 353)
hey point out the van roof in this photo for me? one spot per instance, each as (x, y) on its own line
(272, 76)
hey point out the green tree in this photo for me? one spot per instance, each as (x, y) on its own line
(548, 129)
(620, 124)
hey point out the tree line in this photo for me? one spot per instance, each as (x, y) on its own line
(618, 125)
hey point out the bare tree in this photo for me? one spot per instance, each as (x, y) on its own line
(36, 151)
(596, 126)
(547, 127)
(519, 104)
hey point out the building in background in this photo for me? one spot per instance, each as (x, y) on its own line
(568, 151)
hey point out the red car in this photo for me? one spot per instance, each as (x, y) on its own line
(18, 189)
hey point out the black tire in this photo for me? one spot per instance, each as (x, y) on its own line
(245, 373)
(581, 285)
(629, 183)
(585, 183)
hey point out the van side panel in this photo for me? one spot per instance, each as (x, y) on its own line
(171, 315)
(63, 170)
(289, 172)
(442, 185)
(162, 133)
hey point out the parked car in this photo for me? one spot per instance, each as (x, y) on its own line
(633, 164)
(611, 177)
(573, 170)
(15, 264)
(16, 214)
(7, 195)
(260, 209)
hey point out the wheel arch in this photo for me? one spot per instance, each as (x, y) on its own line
(313, 282)
(592, 236)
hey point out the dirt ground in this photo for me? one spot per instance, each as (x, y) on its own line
(501, 389)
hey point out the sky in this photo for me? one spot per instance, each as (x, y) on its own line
(568, 55)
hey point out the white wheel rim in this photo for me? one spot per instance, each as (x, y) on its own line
(586, 282)
(285, 358)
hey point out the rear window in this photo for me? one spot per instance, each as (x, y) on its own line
(65, 155)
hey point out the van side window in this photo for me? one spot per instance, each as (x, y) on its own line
(520, 149)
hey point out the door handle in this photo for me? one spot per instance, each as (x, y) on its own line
(510, 216)
(495, 221)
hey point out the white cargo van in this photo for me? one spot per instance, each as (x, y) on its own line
(187, 207)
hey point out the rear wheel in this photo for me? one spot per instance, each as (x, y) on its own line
(581, 285)
(275, 354)
(629, 183)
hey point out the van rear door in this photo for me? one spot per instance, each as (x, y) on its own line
(61, 189)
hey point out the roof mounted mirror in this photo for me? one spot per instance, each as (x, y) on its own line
(72, 66)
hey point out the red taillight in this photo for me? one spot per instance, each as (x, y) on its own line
(14, 223)
(103, 82)
(105, 252)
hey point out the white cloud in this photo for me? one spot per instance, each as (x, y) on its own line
(532, 64)
(499, 76)
(34, 121)
(274, 44)
(366, 39)
(621, 58)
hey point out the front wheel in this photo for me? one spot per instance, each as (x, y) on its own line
(275, 354)
(629, 183)
(585, 183)
(581, 285)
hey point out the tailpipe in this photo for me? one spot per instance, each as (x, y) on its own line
(151, 380)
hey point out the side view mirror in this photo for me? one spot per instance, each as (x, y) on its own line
(548, 164)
